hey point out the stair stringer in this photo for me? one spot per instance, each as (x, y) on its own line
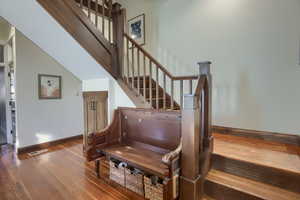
(137, 99)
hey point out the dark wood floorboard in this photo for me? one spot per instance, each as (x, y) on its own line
(60, 174)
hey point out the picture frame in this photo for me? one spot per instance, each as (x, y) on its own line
(136, 29)
(49, 86)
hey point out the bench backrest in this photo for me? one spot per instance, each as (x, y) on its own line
(160, 129)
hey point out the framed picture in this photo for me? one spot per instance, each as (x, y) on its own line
(136, 28)
(49, 86)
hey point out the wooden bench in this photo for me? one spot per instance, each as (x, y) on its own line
(160, 143)
(141, 138)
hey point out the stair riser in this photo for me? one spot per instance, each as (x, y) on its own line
(221, 192)
(272, 176)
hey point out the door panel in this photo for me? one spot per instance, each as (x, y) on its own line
(95, 112)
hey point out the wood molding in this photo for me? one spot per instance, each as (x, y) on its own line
(47, 144)
(263, 135)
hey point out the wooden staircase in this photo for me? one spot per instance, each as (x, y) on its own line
(247, 168)
(99, 26)
(242, 168)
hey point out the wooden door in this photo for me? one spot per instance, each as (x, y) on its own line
(95, 112)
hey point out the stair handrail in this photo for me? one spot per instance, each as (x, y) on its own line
(158, 63)
(152, 60)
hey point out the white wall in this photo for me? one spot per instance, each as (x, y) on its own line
(117, 96)
(91, 85)
(254, 47)
(41, 121)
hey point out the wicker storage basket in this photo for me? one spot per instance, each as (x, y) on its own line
(153, 192)
(134, 181)
(117, 173)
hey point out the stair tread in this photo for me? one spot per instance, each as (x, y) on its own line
(269, 154)
(251, 187)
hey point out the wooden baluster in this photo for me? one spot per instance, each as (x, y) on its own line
(81, 3)
(97, 12)
(181, 93)
(132, 63)
(165, 91)
(127, 52)
(103, 17)
(138, 71)
(157, 88)
(109, 21)
(172, 94)
(144, 81)
(89, 9)
(191, 87)
(123, 66)
(150, 82)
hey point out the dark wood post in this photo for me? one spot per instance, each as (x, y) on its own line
(190, 179)
(196, 123)
(207, 146)
(118, 20)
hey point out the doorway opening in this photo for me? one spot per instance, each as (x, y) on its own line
(7, 84)
(3, 134)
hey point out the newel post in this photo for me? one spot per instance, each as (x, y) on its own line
(206, 128)
(119, 21)
(193, 126)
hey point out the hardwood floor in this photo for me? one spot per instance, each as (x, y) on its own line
(63, 174)
(60, 174)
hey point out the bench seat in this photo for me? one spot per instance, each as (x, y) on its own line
(140, 158)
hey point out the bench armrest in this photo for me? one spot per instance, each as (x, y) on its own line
(99, 140)
(169, 157)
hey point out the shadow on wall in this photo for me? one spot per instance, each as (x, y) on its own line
(236, 99)
(248, 104)
(175, 65)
